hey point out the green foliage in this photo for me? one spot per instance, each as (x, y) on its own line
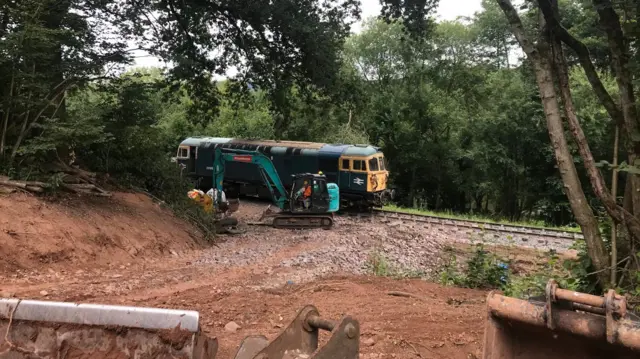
(569, 275)
(483, 270)
(378, 264)
(51, 47)
(458, 119)
(486, 270)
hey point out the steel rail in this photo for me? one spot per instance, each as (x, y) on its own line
(471, 224)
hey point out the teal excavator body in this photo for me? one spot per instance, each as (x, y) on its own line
(310, 203)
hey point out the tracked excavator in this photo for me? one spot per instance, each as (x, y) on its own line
(310, 203)
(562, 324)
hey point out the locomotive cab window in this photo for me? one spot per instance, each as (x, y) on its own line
(359, 165)
(382, 166)
(346, 165)
(183, 152)
(373, 164)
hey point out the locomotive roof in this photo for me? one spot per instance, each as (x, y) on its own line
(350, 150)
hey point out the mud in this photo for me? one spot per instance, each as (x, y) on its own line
(258, 279)
(87, 232)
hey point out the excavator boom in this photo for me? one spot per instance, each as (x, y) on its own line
(282, 199)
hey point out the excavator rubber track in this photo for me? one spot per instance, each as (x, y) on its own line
(302, 221)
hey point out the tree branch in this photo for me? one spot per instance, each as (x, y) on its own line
(518, 29)
(585, 60)
(182, 26)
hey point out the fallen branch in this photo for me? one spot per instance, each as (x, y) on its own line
(39, 187)
(10, 183)
(404, 294)
(7, 190)
(34, 189)
(86, 189)
(83, 175)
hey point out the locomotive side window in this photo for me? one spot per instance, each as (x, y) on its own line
(373, 164)
(346, 165)
(359, 165)
(183, 152)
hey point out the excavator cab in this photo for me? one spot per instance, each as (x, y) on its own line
(309, 194)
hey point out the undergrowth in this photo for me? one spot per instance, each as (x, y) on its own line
(379, 265)
(162, 181)
(451, 215)
(172, 190)
(483, 270)
(486, 270)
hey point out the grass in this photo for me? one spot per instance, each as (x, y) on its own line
(451, 215)
(379, 265)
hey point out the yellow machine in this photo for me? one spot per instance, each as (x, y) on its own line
(202, 199)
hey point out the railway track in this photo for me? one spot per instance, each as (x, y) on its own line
(465, 230)
(524, 233)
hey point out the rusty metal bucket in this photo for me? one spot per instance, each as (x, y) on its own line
(566, 325)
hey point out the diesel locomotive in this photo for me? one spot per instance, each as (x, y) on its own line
(360, 171)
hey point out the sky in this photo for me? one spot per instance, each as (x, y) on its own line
(447, 10)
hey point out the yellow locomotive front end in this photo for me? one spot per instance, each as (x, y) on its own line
(364, 179)
(377, 174)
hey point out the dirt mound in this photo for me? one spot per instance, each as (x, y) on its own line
(87, 231)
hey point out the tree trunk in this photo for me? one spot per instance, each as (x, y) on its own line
(598, 184)
(614, 226)
(618, 45)
(573, 188)
(7, 112)
(627, 118)
(541, 57)
(412, 187)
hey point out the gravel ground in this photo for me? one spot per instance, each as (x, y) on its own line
(353, 246)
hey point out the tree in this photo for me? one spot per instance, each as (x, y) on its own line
(625, 114)
(546, 62)
(494, 33)
(50, 46)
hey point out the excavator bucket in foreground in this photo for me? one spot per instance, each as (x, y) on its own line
(48, 330)
(566, 325)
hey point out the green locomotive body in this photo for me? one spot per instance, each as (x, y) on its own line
(359, 171)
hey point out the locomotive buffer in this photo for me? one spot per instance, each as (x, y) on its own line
(310, 203)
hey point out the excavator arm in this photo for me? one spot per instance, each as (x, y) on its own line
(316, 216)
(264, 164)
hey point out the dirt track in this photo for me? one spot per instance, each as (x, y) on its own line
(258, 280)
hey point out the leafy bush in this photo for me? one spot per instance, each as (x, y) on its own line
(483, 270)
(378, 264)
(568, 274)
